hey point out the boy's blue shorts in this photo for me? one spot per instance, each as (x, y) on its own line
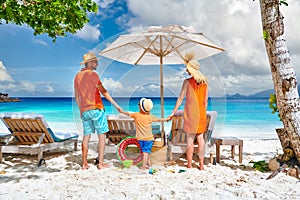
(94, 120)
(146, 145)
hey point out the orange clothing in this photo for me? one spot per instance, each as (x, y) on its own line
(195, 109)
(87, 94)
(143, 124)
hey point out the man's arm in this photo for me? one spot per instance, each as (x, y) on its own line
(105, 93)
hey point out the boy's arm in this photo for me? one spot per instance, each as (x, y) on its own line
(161, 119)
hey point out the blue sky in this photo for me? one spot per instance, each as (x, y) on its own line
(34, 66)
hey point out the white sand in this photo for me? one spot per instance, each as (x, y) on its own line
(62, 178)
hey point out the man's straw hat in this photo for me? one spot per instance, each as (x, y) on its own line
(89, 56)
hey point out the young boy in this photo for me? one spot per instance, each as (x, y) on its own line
(143, 121)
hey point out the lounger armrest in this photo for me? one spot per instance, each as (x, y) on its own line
(39, 142)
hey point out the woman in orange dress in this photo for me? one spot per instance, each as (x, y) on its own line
(195, 90)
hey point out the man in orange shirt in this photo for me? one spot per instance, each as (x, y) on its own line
(88, 87)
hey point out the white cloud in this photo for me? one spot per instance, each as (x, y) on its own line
(38, 41)
(89, 33)
(49, 88)
(104, 3)
(116, 88)
(13, 88)
(233, 24)
(25, 86)
(4, 75)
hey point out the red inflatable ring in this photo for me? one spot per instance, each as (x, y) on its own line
(122, 146)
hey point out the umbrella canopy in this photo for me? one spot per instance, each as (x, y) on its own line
(160, 45)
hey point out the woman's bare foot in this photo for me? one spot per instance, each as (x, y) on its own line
(201, 167)
(85, 167)
(102, 166)
(189, 166)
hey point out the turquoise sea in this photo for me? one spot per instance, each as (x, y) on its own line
(244, 118)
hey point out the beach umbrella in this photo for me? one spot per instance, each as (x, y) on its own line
(159, 45)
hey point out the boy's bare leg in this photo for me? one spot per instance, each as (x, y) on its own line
(201, 150)
(101, 146)
(149, 165)
(145, 160)
(85, 147)
(190, 149)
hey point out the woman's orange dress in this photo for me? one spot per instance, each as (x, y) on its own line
(195, 109)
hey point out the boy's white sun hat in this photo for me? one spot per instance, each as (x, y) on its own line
(146, 104)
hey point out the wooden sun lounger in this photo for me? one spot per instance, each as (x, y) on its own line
(178, 139)
(33, 136)
(120, 127)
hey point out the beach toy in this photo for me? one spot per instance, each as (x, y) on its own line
(152, 171)
(173, 171)
(122, 146)
(127, 163)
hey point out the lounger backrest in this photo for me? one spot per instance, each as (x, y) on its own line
(27, 130)
(179, 137)
(121, 126)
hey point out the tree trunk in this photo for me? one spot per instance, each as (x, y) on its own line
(283, 74)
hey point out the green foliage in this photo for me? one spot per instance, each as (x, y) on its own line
(273, 104)
(52, 17)
(266, 35)
(261, 166)
(283, 2)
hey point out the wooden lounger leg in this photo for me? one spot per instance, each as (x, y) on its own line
(0, 154)
(169, 153)
(241, 151)
(232, 151)
(75, 145)
(40, 155)
(218, 151)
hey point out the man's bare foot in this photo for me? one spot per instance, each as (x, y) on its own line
(189, 166)
(102, 166)
(85, 167)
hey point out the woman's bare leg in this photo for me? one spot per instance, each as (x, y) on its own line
(190, 149)
(201, 150)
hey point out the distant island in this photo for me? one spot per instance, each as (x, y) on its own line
(263, 94)
(6, 98)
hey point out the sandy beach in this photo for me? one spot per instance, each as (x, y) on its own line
(62, 178)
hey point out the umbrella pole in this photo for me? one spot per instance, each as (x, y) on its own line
(162, 100)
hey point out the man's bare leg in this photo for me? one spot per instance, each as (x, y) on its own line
(101, 148)
(85, 147)
(190, 149)
(201, 150)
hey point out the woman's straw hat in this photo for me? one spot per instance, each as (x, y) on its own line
(193, 68)
(146, 104)
(89, 56)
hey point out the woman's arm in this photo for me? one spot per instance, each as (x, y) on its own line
(180, 97)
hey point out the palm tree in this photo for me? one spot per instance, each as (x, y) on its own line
(283, 74)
